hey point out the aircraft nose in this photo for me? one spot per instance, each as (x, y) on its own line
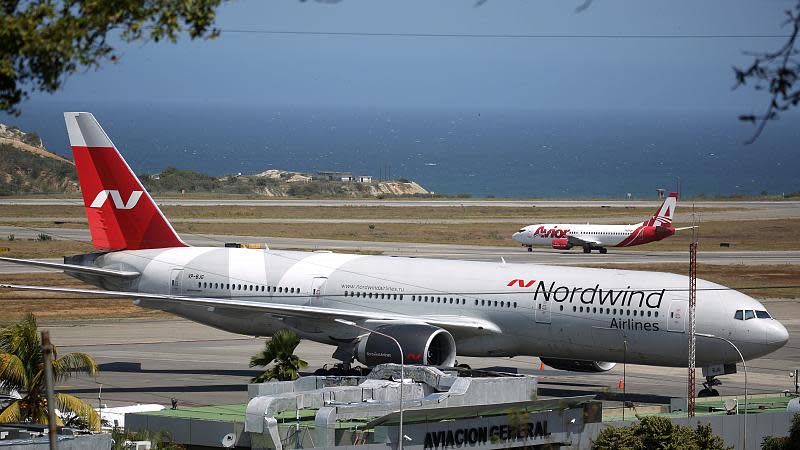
(516, 236)
(777, 334)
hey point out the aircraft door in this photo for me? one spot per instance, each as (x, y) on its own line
(678, 310)
(175, 284)
(541, 312)
(316, 290)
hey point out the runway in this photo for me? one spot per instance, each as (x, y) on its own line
(153, 361)
(447, 251)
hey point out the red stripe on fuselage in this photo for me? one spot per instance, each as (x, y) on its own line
(628, 241)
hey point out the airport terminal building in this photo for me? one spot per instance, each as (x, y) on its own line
(441, 410)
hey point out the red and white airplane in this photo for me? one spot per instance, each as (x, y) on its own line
(565, 236)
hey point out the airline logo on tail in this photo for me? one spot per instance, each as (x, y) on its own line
(116, 198)
(120, 212)
(663, 217)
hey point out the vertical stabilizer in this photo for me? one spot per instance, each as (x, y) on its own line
(121, 213)
(665, 213)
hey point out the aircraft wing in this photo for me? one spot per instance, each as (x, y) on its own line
(580, 242)
(460, 323)
(74, 268)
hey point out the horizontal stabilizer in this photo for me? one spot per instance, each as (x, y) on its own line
(461, 323)
(74, 268)
(686, 228)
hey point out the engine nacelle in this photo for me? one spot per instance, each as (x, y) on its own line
(577, 365)
(561, 244)
(422, 344)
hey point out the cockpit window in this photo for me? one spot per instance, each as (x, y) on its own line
(739, 315)
(763, 315)
(749, 314)
(522, 230)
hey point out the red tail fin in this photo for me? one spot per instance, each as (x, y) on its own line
(121, 213)
(665, 213)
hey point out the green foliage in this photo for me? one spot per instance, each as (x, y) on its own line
(44, 41)
(790, 442)
(774, 443)
(177, 180)
(25, 172)
(22, 368)
(654, 432)
(326, 189)
(279, 349)
(41, 237)
(160, 440)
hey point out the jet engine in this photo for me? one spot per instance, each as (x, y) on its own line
(422, 344)
(561, 244)
(577, 365)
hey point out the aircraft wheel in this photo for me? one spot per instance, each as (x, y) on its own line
(708, 393)
(604, 250)
(587, 250)
(530, 249)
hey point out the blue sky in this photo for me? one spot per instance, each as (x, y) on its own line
(377, 71)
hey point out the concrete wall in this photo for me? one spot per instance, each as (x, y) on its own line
(81, 442)
(185, 431)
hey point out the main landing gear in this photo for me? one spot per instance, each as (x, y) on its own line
(530, 248)
(588, 249)
(708, 387)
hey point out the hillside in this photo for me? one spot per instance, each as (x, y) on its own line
(273, 183)
(26, 167)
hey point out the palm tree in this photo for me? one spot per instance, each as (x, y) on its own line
(280, 349)
(22, 368)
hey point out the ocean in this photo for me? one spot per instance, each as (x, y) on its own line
(479, 152)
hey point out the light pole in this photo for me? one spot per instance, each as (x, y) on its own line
(402, 372)
(744, 365)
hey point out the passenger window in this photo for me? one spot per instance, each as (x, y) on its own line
(763, 315)
(749, 314)
(739, 315)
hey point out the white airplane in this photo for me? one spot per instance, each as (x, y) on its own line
(565, 236)
(573, 318)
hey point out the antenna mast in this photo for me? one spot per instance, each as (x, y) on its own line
(690, 395)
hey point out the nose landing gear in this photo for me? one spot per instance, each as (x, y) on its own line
(708, 387)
